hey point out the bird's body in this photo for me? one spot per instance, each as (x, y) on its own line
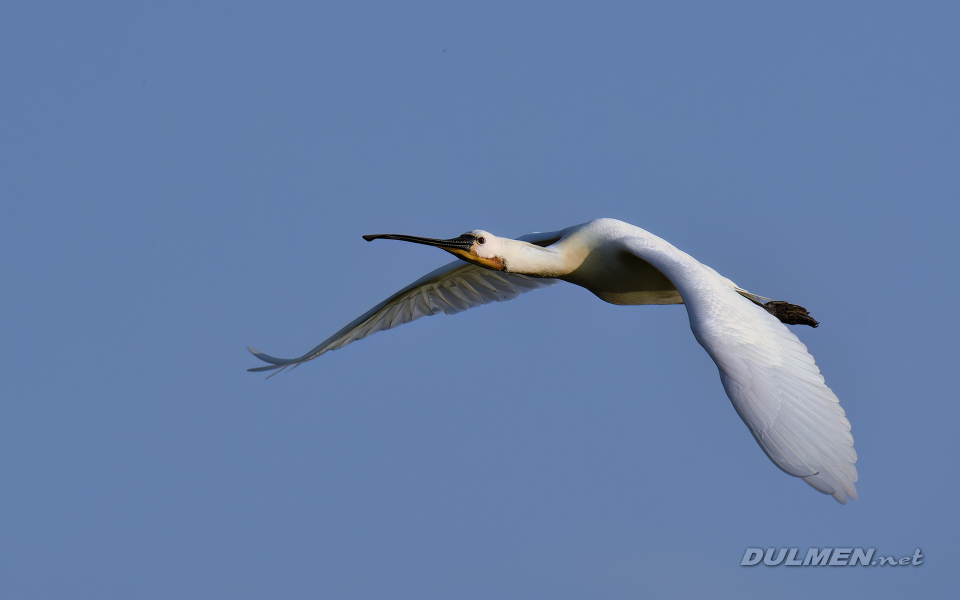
(592, 255)
(766, 371)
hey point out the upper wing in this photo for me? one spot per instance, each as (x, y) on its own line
(452, 288)
(772, 380)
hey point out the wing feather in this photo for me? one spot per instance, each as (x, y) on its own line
(453, 288)
(777, 389)
(771, 379)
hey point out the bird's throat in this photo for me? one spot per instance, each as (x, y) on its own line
(494, 264)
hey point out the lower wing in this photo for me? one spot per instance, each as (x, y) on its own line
(771, 379)
(778, 391)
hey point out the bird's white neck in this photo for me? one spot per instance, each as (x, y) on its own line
(528, 259)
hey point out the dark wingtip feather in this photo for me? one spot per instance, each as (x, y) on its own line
(264, 368)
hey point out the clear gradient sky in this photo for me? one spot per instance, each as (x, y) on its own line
(181, 179)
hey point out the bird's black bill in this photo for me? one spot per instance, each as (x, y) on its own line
(464, 242)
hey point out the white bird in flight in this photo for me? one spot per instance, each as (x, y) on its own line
(772, 380)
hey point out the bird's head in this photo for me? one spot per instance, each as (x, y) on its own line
(478, 247)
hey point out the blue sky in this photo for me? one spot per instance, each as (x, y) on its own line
(180, 180)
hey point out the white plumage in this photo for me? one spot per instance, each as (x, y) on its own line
(772, 380)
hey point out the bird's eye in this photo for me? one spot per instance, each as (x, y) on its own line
(480, 240)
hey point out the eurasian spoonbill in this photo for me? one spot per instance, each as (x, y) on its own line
(766, 371)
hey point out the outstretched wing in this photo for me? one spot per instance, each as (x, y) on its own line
(780, 394)
(452, 288)
(772, 380)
